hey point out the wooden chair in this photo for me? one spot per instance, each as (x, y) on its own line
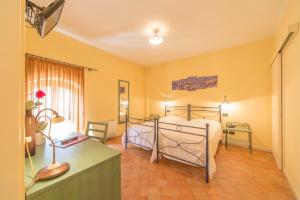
(98, 129)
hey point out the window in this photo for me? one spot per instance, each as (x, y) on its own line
(63, 85)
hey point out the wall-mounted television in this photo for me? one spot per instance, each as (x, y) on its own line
(44, 19)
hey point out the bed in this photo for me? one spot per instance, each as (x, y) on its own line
(140, 132)
(187, 140)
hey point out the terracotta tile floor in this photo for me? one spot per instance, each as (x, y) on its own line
(239, 176)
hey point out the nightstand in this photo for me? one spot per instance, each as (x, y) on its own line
(233, 127)
(151, 117)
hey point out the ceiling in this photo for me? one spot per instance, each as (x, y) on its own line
(189, 27)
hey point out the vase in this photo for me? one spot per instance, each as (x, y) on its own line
(30, 132)
(39, 139)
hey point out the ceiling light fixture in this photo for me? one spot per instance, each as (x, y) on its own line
(156, 39)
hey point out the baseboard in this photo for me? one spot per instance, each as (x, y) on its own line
(291, 185)
(246, 144)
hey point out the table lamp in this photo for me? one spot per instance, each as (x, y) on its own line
(225, 106)
(55, 169)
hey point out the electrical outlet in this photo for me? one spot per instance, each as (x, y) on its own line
(225, 114)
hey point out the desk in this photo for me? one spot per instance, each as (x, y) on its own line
(95, 173)
(232, 127)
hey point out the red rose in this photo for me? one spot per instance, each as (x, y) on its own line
(40, 94)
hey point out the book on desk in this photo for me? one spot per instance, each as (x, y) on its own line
(69, 140)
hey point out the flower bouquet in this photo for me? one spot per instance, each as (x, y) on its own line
(30, 131)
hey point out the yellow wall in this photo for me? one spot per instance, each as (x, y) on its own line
(244, 75)
(101, 89)
(12, 105)
(291, 96)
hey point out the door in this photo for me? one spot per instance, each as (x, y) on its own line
(277, 135)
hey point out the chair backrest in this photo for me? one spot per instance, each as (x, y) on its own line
(97, 130)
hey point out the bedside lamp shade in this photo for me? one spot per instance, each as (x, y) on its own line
(225, 106)
(57, 119)
(225, 101)
(168, 101)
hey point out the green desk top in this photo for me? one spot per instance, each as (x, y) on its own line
(81, 157)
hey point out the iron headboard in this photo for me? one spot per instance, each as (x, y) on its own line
(204, 112)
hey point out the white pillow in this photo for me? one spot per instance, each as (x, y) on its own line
(214, 126)
(203, 122)
(173, 120)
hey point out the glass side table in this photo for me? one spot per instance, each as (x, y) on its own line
(151, 117)
(232, 127)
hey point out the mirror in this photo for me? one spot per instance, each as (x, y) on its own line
(123, 100)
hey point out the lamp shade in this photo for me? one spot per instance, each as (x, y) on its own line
(226, 106)
(156, 39)
(57, 119)
(225, 101)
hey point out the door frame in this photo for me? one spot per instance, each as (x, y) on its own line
(278, 119)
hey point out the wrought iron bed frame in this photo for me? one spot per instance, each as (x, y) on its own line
(157, 131)
(216, 111)
(140, 122)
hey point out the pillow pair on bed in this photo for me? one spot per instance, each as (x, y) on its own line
(173, 120)
(214, 126)
(202, 122)
(194, 122)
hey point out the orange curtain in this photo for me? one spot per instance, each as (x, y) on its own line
(63, 85)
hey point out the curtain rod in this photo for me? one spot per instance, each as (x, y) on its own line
(57, 61)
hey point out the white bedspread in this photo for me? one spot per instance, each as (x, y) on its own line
(184, 146)
(140, 135)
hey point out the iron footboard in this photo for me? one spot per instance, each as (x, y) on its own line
(157, 132)
(141, 135)
(203, 139)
